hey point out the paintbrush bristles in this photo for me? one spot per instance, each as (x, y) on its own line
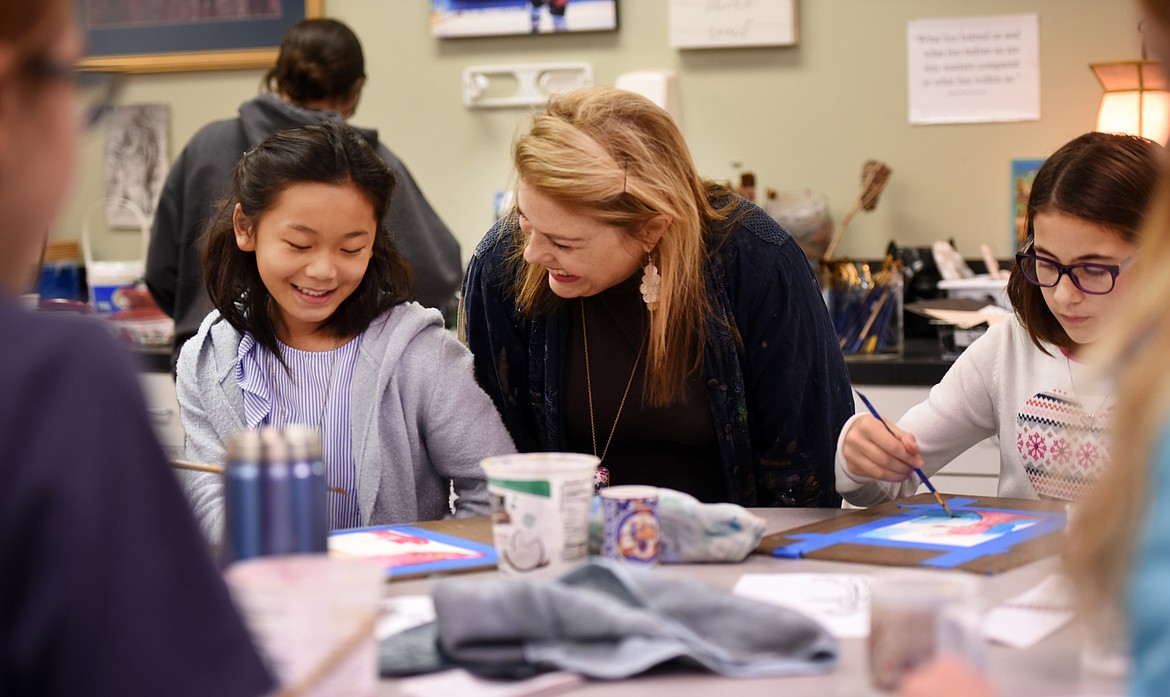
(874, 175)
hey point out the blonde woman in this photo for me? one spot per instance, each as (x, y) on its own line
(631, 309)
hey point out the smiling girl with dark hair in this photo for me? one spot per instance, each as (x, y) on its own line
(312, 327)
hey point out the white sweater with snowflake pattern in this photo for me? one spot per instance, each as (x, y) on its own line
(1050, 445)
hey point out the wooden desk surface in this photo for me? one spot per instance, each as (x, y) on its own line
(1051, 668)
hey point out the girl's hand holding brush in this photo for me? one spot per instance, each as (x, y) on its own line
(870, 450)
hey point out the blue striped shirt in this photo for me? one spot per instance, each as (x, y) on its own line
(314, 391)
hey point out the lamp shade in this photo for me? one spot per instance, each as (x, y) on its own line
(1136, 99)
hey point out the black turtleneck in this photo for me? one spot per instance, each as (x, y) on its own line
(672, 446)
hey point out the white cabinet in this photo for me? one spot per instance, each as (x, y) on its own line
(975, 472)
(163, 408)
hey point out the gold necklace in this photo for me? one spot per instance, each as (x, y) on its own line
(1088, 419)
(589, 391)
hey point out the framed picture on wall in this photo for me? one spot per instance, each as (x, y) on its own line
(159, 36)
(457, 18)
(1023, 172)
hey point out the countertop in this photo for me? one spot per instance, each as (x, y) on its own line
(920, 364)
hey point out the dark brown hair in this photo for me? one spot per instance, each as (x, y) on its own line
(319, 59)
(1104, 178)
(326, 153)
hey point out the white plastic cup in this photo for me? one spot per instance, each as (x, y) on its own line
(300, 609)
(631, 530)
(106, 279)
(916, 618)
(540, 510)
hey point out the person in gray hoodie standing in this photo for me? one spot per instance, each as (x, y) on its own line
(318, 77)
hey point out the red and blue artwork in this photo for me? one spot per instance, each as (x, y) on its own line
(973, 532)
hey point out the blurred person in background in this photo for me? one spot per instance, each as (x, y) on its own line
(318, 76)
(106, 587)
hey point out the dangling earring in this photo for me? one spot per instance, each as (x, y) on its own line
(651, 283)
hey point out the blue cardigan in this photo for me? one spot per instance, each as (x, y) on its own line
(1149, 605)
(776, 380)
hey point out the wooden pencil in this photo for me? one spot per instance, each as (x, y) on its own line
(218, 469)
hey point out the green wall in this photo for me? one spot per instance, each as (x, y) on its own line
(800, 117)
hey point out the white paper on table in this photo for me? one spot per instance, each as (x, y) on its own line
(460, 682)
(1027, 618)
(402, 613)
(840, 602)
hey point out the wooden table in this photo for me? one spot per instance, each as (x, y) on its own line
(1048, 669)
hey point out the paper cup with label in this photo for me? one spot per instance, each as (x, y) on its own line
(313, 619)
(631, 532)
(540, 510)
(914, 618)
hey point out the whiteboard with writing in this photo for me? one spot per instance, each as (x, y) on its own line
(732, 23)
(974, 69)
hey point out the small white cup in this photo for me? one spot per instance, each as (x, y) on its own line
(540, 510)
(631, 530)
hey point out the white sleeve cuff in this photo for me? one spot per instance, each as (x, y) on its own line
(846, 481)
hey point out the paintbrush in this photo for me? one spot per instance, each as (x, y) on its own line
(917, 471)
(218, 469)
(874, 175)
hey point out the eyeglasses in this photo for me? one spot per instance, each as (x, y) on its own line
(1093, 279)
(98, 90)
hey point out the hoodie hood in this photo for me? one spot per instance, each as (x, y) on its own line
(267, 114)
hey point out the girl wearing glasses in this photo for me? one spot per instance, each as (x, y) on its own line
(1023, 380)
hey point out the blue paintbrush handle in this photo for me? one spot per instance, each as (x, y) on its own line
(929, 486)
(925, 481)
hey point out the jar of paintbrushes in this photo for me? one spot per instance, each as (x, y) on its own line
(865, 305)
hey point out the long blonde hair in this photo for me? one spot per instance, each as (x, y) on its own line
(618, 159)
(1104, 529)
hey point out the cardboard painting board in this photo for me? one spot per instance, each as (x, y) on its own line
(989, 535)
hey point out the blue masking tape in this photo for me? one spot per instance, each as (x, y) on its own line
(950, 556)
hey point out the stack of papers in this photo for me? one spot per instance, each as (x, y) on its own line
(963, 313)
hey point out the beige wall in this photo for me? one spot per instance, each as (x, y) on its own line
(800, 117)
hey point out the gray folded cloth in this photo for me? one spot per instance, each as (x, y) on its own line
(606, 620)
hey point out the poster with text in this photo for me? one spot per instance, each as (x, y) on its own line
(974, 69)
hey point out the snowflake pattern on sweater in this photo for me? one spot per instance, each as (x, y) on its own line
(1062, 446)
